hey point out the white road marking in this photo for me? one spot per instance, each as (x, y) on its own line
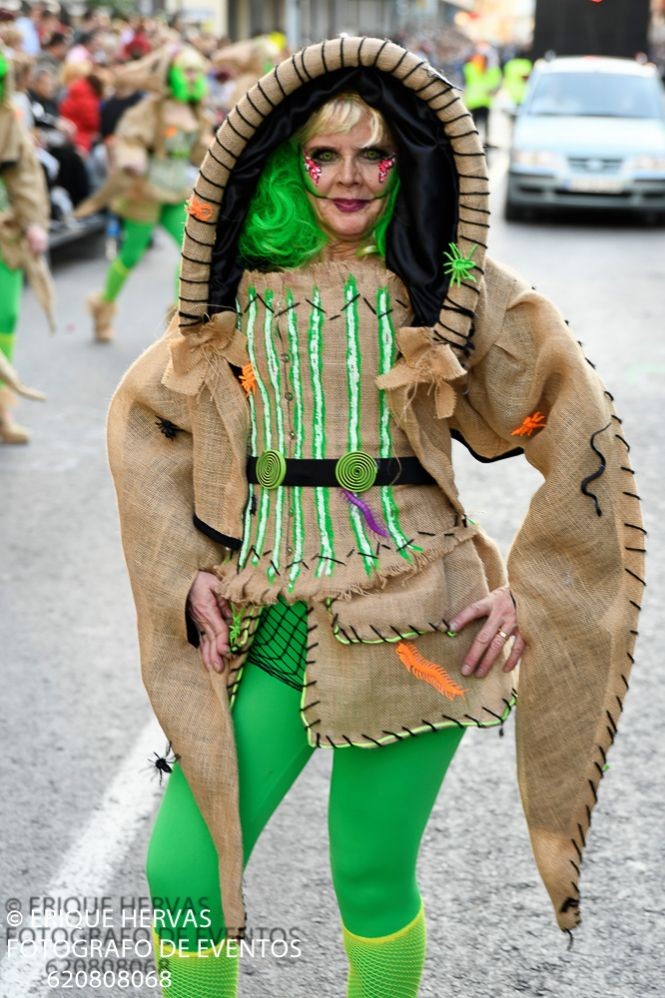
(93, 859)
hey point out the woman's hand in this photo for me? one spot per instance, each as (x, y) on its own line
(37, 238)
(501, 624)
(211, 614)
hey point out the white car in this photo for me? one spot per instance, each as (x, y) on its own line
(590, 134)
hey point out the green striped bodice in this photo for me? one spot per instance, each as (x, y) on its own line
(317, 338)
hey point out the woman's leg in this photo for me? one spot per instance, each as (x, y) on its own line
(380, 802)
(182, 864)
(173, 218)
(11, 284)
(101, 304)
(135, 241)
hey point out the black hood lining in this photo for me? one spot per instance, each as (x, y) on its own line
(426, 212)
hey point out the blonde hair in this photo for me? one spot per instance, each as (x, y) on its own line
(341, 114)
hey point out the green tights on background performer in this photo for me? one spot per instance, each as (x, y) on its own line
(136, 238)
(11, 284)
(154, 145)
(378, 808)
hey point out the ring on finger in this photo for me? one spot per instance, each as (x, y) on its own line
(503, 634)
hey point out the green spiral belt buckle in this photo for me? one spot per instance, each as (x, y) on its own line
(356, 471)
(271, 469)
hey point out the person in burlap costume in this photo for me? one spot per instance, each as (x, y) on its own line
(155, 141)
(282, 461)
(24, 219)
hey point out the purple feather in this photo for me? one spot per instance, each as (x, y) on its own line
(366, 512)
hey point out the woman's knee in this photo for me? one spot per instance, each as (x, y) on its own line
(135, 241)
(370, 883)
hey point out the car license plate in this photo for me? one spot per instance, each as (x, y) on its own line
(595, 185)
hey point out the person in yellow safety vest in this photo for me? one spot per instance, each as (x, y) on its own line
(516, 73)
(482, 79)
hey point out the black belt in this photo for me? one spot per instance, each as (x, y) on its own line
(325, 472)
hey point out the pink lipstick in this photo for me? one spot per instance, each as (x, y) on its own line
(349, 204)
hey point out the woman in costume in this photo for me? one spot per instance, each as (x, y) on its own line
(287, 503)
(24, 215)
(154, 143)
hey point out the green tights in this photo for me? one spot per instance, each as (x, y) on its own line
(11, 283)
(380, 801)
(135, 241)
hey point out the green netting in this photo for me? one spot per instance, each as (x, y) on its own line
(280, 643)
(388, 966)
(208, 975)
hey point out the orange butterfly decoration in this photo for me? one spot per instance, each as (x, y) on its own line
(429, 672)
(199, 209)
(536, 421)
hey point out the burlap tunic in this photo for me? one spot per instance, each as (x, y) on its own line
(316, 340)
(499, 369)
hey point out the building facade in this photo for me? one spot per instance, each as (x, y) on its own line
(305, 21)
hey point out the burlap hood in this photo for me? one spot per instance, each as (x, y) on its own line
(486, 360)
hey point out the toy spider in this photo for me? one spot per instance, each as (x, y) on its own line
(168, 428)
(164, 763)
(459, 267)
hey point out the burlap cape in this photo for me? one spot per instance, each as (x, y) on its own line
(495, 367)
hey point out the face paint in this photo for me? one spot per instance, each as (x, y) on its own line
(385, 166)
(313, 169)
(312, 172)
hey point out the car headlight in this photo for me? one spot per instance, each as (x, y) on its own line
(537, 157)
(647, 164)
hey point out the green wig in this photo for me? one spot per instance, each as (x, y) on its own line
(281, 230)
(184, 91)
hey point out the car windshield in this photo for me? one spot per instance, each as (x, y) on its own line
(603, 95)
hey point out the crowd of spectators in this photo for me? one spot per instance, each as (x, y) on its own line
(71, 85)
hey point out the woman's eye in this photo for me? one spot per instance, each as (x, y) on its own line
(322, 155)
(374, 155)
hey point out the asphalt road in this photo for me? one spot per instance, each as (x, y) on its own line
(74, 712)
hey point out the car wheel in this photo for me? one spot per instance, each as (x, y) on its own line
(654, 218)
(513, 212)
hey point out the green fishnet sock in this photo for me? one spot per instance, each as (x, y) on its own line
(387, 966)
(210, 974)
(115, 278)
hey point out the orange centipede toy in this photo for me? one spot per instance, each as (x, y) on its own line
(429, 672)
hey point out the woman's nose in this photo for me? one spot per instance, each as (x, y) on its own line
(349, 170)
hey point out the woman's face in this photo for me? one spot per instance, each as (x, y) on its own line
(349, 180)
